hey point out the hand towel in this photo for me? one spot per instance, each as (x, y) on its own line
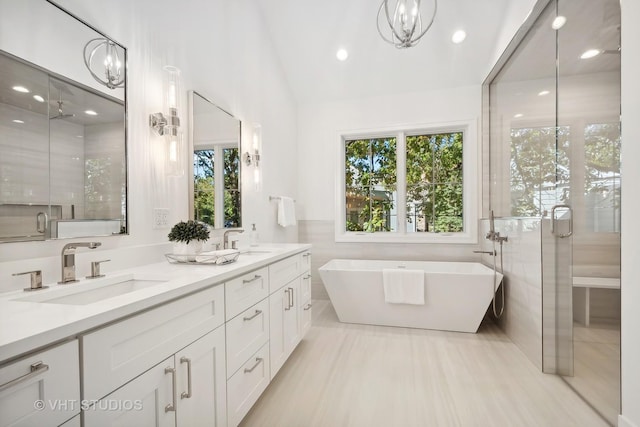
(286, 212)
(403, 286)
(216, 257)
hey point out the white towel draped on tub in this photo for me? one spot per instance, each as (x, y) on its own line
(286, 212)
(403, 286)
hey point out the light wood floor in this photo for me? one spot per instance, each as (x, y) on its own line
(344, 375)
(596, 370)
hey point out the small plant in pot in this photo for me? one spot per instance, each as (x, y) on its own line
(188, 237)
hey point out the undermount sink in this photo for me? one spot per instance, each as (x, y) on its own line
(91, 291)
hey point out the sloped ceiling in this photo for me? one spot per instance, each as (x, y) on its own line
(307, 34)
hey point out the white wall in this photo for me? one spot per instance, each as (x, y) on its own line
(320, 126)
(224, 52)
(630, 209)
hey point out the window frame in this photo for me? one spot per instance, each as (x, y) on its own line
(471, 184)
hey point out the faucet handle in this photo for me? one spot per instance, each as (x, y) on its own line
(95, 269)
(36, 280)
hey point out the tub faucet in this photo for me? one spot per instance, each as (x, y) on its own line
(492, 253)
(225, 237)
(69, 260)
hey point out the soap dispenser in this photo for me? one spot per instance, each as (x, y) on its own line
(253, 236)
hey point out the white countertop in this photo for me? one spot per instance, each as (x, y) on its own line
(26, 326)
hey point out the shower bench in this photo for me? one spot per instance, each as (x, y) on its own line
(582, 313)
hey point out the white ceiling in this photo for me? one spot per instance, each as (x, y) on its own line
(307, 34)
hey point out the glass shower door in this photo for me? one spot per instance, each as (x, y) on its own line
(588, 104)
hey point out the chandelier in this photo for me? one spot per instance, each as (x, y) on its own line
(103, 59)
(405, 22)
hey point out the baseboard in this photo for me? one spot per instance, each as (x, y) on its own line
(625, 422)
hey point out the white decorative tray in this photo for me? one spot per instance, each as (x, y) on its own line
(220, 258)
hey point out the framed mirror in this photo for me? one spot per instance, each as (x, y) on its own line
(63, 167)
(215, 169)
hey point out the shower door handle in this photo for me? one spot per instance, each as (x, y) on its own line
(553, 221)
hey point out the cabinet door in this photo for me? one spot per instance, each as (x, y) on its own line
(304, 307)
(201, 380)
(148, 400)
(283, 326)
(291, 317)
(42, 389)
(278, 303)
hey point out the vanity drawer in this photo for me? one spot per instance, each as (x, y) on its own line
(119, 352)
(246, 333)
(284, 271)
(51, 377)
(245, 387)
(246, 290)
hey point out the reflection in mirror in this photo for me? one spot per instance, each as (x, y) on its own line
(63, 166)
(215, 141)
(62, 132)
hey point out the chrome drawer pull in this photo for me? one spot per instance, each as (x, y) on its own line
(288, 307)
(306, 255)
(308, 276)
(258, 313)
(258, 361)
(187, 394)
(291, 300)
(256, 277)
(171, 406)
(308, 307)
(35, 370)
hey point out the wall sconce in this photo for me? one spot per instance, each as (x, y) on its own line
(102, 57)
(253, 156)
(168, 125)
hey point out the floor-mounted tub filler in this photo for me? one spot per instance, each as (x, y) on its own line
(456, 294)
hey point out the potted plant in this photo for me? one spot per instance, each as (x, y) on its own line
(188, 237)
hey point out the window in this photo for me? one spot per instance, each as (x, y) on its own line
(408, 185)
(210, 193)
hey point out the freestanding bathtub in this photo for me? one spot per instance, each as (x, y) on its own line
(456, 294)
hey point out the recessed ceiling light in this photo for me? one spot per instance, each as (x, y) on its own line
(21, 89)
(590, 53)
(543, 93)
(458, 36)
(38, 98)
(342, 54)
(17, 121)
(91, 113)
(558, 22)
(517, 116)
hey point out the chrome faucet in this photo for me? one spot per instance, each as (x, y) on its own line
(492, 253)
(69, 260)
(494, 235)
(225, 237)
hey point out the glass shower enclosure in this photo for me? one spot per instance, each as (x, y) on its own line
(552, 162)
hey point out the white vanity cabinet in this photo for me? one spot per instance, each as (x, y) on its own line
(42, 389)
(182, 337)
(290, 284)
(284, 323)
(186, 389)
(247, 331)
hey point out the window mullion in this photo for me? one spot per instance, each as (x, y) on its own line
(401, 182)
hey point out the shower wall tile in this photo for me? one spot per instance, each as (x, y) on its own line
(522, 317)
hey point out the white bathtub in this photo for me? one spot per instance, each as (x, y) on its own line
(456, 294)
